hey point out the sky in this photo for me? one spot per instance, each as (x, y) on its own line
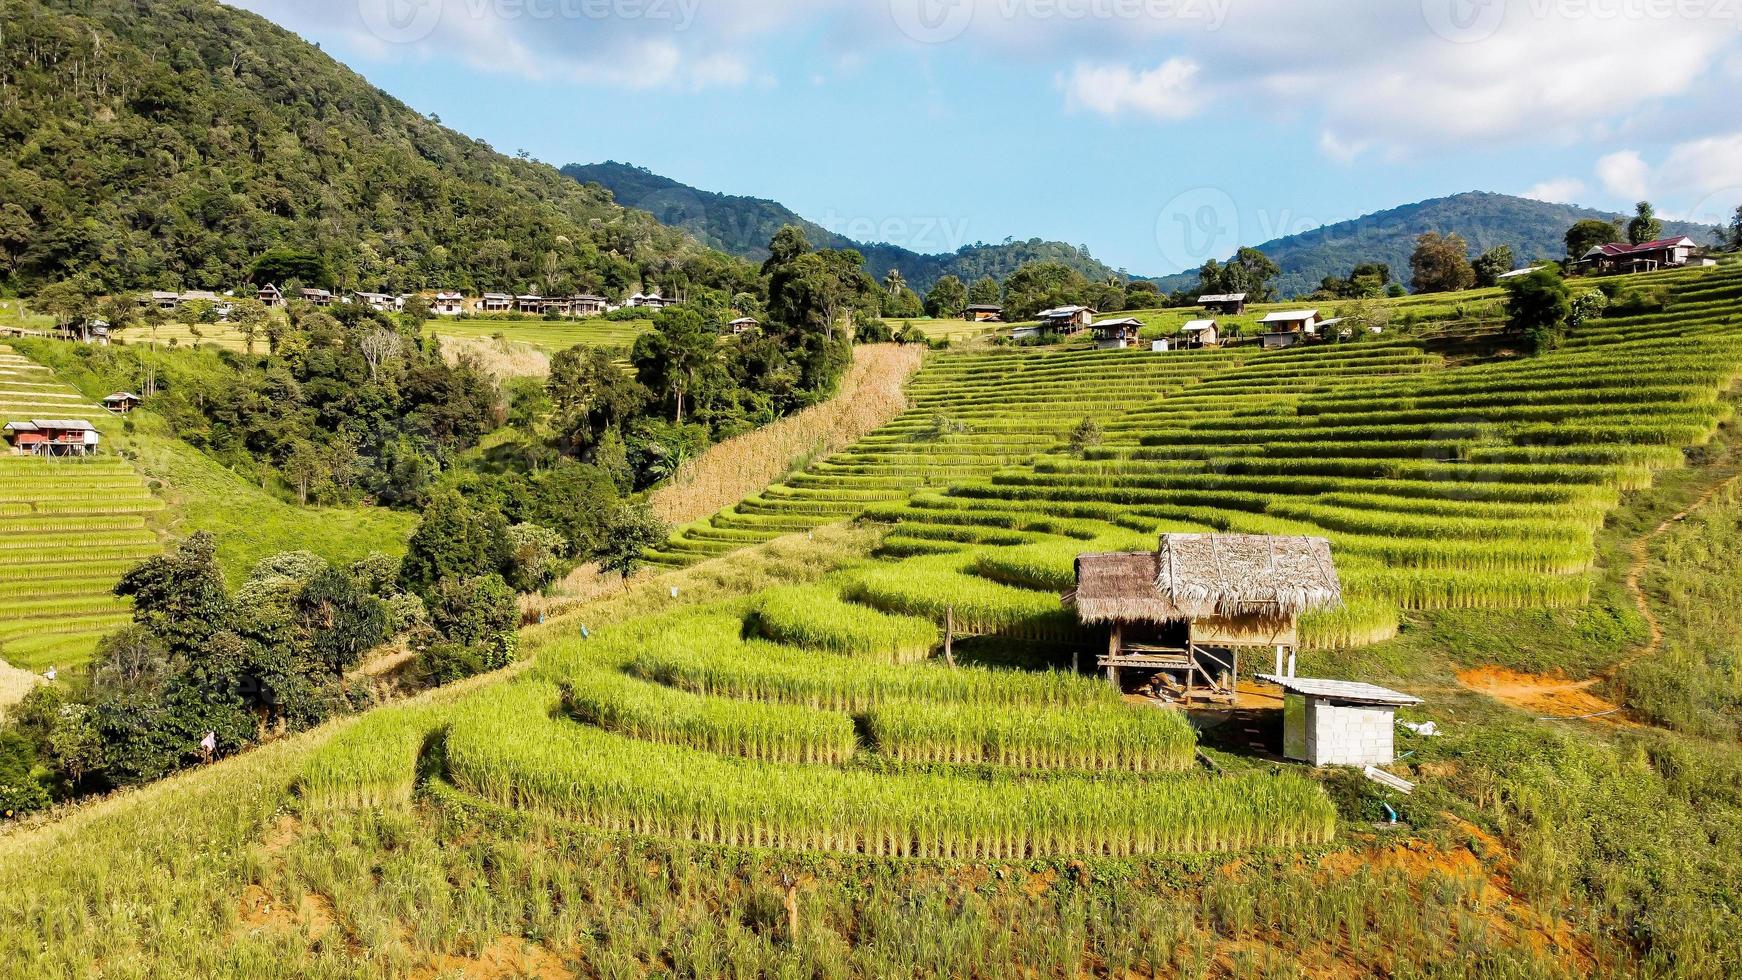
(1157, 133)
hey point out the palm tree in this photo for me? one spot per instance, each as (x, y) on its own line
(895, 282)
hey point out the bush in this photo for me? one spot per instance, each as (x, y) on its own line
(446, 663)
(475, 612)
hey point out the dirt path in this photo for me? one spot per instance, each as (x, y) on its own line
(1556, 698)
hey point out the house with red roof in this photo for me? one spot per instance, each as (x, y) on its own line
(1665, 253)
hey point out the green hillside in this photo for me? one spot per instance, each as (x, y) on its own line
(743, 226)
(1534, 229)
(172, 143)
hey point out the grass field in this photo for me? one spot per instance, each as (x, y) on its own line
(547, 335)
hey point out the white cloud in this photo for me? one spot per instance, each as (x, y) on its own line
(1341, 150)
(1704, 166)
(1166, 92)
(1625, 174)
(637, 44)
(1559, 190)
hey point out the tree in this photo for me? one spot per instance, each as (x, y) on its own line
(17, 230)
(453, 540)
(1588, 234)
(418, 309)
(985, 292)
(678, 357)
(342, 620)
(304, 465)
(590, 396)
(1645, 227)
(476, 612)
(250, 316)
(632, 532)
(535, 555)
(947, 297)
(180, 597)
(1249, 271)
(72, 302)
(894, 282)
(1537, 307)
(1493, 264)
(286, 265)
(1730, 238)
(1441, 264)
(1036, 286)
(903, 303)
(378, 346)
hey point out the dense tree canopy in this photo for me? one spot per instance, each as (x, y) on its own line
(185, 143)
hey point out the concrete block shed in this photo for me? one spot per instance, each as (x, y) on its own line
(1339, 723)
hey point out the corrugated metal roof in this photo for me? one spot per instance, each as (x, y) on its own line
(1354, 691)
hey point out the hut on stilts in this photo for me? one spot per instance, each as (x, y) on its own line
(1190, 608)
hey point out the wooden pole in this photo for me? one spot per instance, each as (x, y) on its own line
(791, 909)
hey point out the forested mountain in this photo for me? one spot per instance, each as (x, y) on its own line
(743, 226)
(169, 143)
(1534, 229)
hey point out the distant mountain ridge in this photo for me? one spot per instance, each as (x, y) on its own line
(1534, 229)
(743, 226)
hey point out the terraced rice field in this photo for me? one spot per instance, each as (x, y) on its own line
(69, 529)
(816, 717)
(548, 336)
(695, 726)
(1439, 486)
(222, 335)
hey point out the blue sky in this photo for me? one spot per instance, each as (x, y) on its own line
(1156, 132)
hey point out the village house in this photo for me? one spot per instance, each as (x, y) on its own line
(743, 325)
(52, 437)
(1117, 334)
(318, 297)
(1184, 613)
(1201, 333)
(1665, 253)
(587, 304)
(270, 296)
(531, 304)
(496, 303)
(164, 300)
(983, 313)
(652, 301)
(1338, 723)
(198, 296)
(1227, 304)
(379, 302)
(1288, 327)
(1066, 320)
(448, 304)
(122, 402)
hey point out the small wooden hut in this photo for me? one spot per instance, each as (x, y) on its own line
(1189, 608)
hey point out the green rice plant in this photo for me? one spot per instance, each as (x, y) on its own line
(1423, 589)
(815, 617)
(1109, 738)
(704, 653)
(506, 748)
(752, 730)
(934, 587)
(372, 761)
(1359, 622)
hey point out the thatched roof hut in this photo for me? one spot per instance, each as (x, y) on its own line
(1208, 576)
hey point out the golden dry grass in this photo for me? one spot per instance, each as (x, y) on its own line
(14, 685)
(871, 396)
(500, 358)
